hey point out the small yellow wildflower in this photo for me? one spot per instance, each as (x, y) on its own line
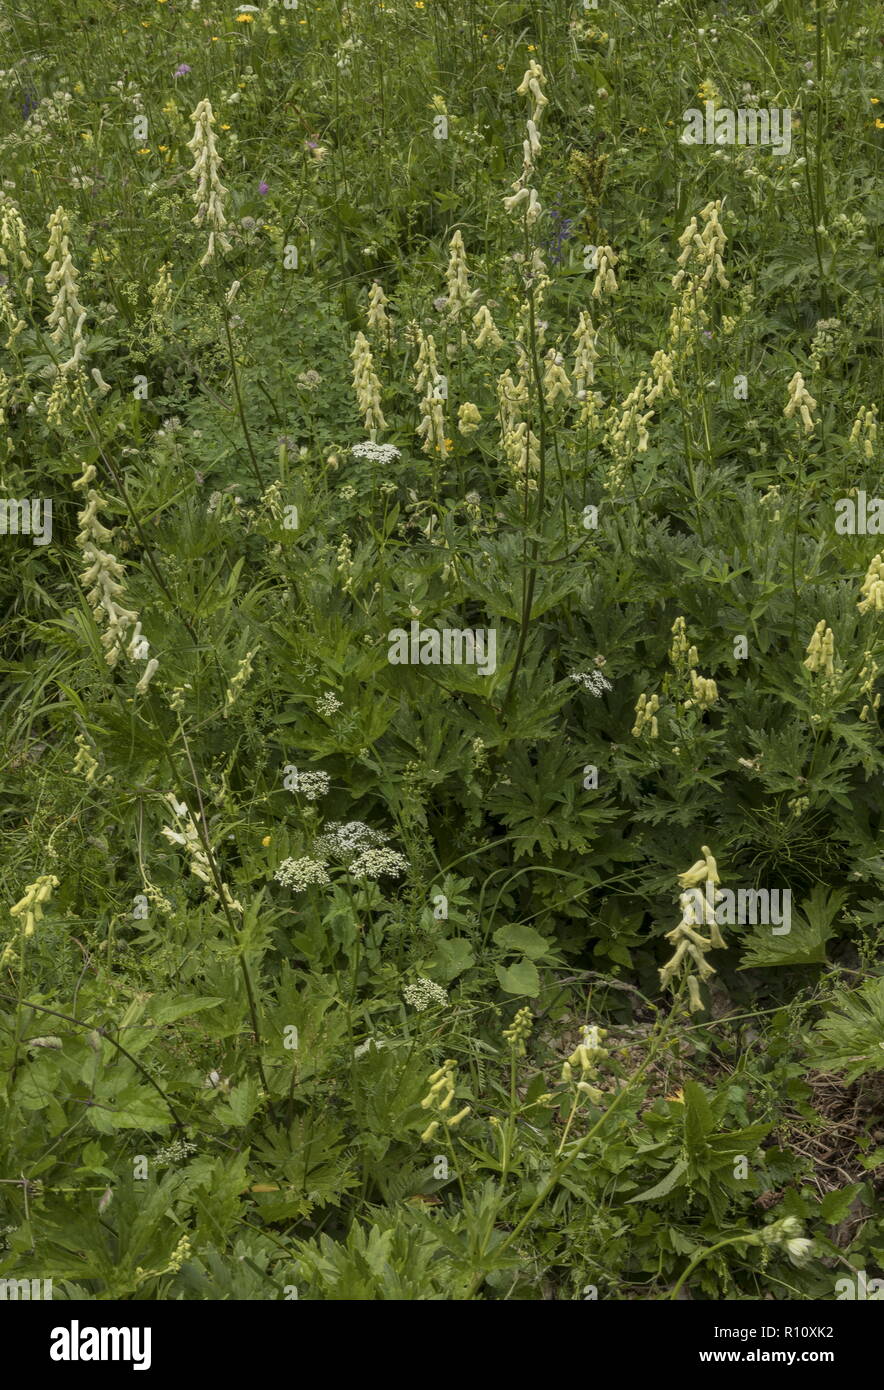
(243, 19)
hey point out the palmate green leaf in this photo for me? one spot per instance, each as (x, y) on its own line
(850, 1038)
(545, 804)
(805, 943)
(241, 1105)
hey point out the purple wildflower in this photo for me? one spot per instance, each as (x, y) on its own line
(182, 70)
(263, 188)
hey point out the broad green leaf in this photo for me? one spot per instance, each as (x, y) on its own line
(521, 978)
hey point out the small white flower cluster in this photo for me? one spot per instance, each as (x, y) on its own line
(423, 993)
(299, 874)
(376, 453)
(176, 1152)
(313, 785)
(328, 705)
(375, 863)
(593, 681)
(342, 840)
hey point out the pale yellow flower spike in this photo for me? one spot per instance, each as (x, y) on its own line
(801, 402)
(210, 193)
(366, 385)
(30, 907)
(697, 909)
(872, 590)
(821, 650)
(865, 431)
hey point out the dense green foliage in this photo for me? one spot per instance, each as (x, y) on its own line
(212, 1067)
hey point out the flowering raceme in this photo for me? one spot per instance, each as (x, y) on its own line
(821, 651)
(801, 402)
(872, 590)
(102, 579)
(67, 315)
(210, 192)
(30, 908)
(377, 320)
(366, 385)
(697, 909)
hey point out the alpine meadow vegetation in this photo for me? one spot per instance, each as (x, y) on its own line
(442, 536)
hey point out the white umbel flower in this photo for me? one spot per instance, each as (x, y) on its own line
(299, 874)
(423, 993)
(592, 681)
(378, 863)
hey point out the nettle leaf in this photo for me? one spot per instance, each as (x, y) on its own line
(674, 1178)
(698, 1118)
(835, 1206)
